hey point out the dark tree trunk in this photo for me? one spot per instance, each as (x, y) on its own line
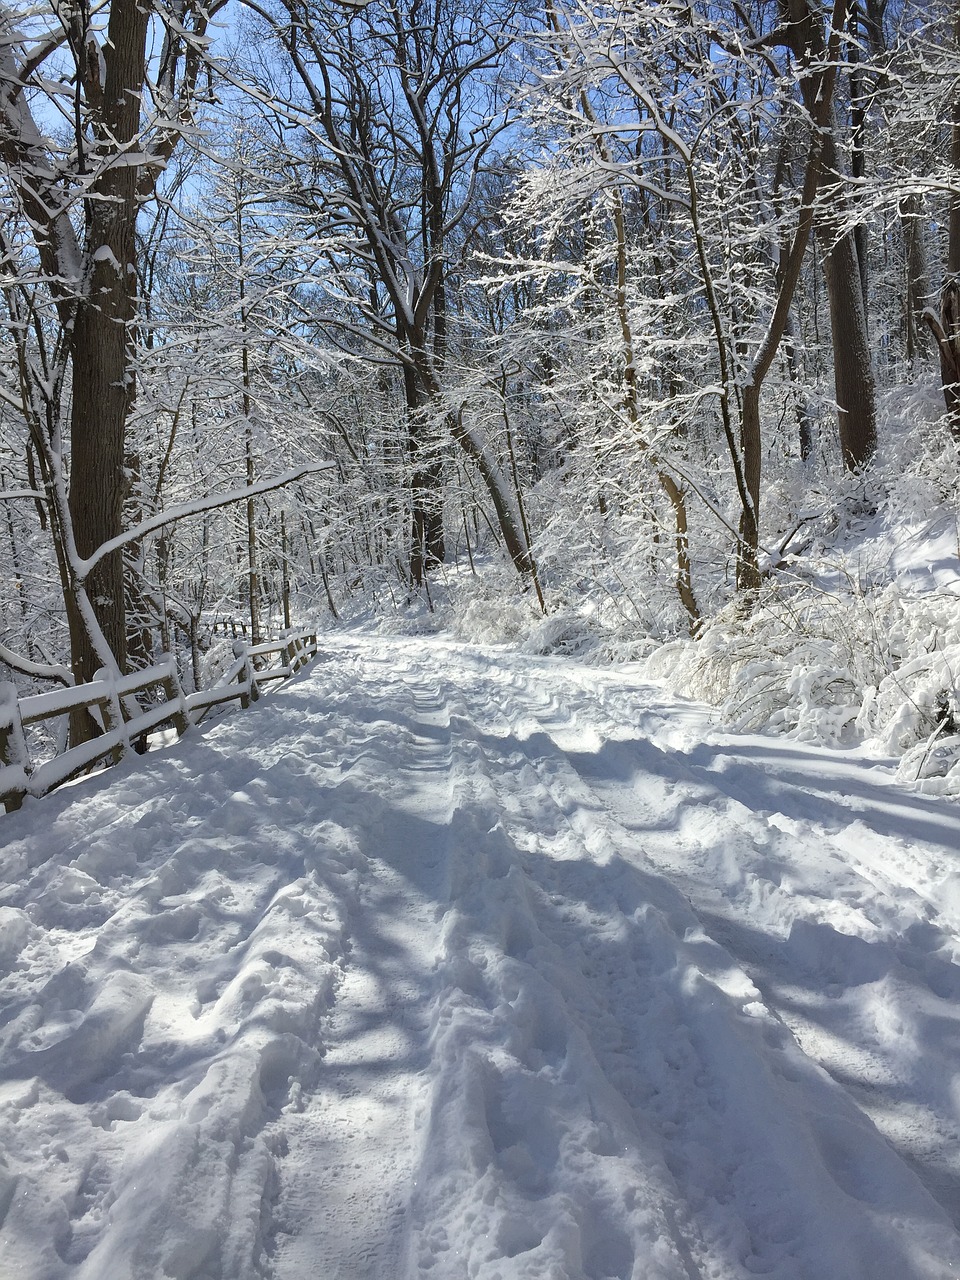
(101, 402)
(427, 548)
(748, 547)
(918, 277)
(103, 379)
(853, 367)
(946, 331)
(853, 376)
(946, 326)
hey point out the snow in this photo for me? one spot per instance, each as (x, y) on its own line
(450, 961)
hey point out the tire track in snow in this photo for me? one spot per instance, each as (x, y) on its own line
(345, 1182)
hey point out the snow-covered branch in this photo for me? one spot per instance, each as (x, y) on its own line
(184, 510)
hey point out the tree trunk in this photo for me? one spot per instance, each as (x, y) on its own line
(101, 401)
(427, 547)
(103, 379)
(852, 365)
(946, 330)
(805, 427)
(953, 243)
(858, 125)
(946, 327)
(918, 276)
(854, 382)
(748, 547)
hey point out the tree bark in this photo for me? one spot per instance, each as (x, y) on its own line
(852, 365)
(427, 545)
(946, 331)
(918, 276)
(103, 378)
(946, 326)
(953, 241)
(854, 381)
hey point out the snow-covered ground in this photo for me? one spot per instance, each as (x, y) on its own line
(452, 962)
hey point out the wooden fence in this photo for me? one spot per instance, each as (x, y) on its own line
(112, 703)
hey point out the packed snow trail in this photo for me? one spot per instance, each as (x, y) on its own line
(450, 962)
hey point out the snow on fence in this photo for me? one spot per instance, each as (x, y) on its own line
(112, 704)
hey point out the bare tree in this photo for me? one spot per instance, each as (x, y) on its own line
(809, 38)
(402, 112)
(683, 96)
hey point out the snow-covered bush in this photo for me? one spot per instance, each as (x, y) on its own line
(484, 613)
(217, 661)
(855, 634)
(834, 668)
(798, 663)
(564, 631)
(828, 668)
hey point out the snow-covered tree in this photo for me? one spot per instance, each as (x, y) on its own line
(93, 102)
(400, 111)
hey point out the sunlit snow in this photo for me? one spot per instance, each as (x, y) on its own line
(450, 962)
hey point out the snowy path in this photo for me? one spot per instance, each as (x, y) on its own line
(453, 963)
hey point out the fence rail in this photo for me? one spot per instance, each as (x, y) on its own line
(112, 705)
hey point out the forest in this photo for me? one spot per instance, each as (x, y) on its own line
(565, 396)
(630, 327)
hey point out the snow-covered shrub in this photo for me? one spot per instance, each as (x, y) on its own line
(834, 668)
(216, 662)
(934, 764)
(914, 711)
(483, 615)
(486, 607)
(565, 631)
(855, 634)
(797, 663)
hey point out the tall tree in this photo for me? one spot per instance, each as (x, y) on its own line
(808, 36)
(402, 111)
(690, 107)
(88, 120)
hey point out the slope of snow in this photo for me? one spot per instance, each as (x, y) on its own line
(451, 962)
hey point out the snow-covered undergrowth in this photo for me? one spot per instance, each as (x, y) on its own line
(820, 655)
(834, 669)
(855, 634)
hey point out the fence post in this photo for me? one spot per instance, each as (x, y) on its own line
(113, 717)
(173, 692)
(240, 651)
(293, 657)
(13, 745)
(248, 675)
